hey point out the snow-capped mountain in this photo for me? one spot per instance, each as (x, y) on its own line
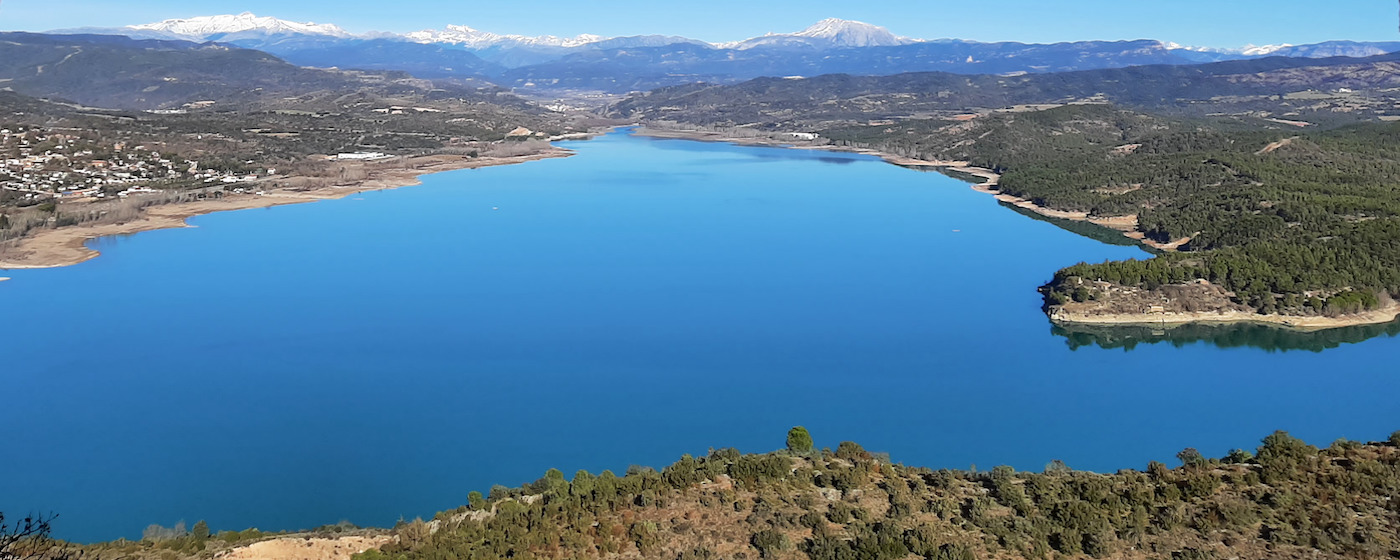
(1262, 50)
(1318, 50)
(593, 62)
(207, 27)
(846, 33)
(828, 33)
(476, 39)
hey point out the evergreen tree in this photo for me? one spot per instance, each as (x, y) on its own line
(799, 441)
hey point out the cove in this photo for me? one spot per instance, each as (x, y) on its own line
(381, 356)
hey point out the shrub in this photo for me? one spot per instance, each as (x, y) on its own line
(1189, 457)
(1239, 457)
(769, 542)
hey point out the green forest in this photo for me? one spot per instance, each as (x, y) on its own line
(1293, 221)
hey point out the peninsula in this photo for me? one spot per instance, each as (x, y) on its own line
(1286, 225)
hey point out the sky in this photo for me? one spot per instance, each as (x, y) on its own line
(1217, 23)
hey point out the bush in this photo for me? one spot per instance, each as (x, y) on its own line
(851, 451)
(1189, 457)
(769, 542)
(1239, 457)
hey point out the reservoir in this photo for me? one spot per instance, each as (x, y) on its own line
(380, 356)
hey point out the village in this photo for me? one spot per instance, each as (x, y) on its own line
(38, 165)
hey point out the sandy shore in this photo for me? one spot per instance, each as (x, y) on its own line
(66, 246)
(1385, 314)
(305, 548)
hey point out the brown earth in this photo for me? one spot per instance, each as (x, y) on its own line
(306, 548)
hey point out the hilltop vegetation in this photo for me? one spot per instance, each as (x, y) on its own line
(1286, 500)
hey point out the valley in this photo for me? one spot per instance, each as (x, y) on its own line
(1102, 268)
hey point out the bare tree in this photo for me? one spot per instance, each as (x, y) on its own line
(29, 539)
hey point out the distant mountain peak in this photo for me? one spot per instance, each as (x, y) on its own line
(477, 39)
(1253, 50)
(830, 32)
(204, 27)
(835, 28)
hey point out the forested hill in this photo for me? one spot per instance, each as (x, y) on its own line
(1291, 221)
(1225, 87)
(1284, 500)
(117, 72)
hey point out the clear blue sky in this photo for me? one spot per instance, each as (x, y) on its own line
(1225, 23)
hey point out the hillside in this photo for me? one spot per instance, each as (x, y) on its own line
(1285, 500)
(117, 72)
(1291, 222)
(1235, 87)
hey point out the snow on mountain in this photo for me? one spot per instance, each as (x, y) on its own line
(265, 33)
(1265, 50)
(1317, 50)
(475, 39)
(847, 33)
(1180, 47)
(828, 33)
(205, 27)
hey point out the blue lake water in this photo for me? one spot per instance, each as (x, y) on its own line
(381, 356)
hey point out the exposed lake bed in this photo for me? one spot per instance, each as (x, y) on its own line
(376, 358)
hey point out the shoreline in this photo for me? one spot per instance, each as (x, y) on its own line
(67, 246)
(1127, 225)
(1386, 314)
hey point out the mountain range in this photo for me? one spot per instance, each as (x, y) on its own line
(643, 62)
(1236, 87)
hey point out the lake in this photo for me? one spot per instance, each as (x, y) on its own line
(380, 356)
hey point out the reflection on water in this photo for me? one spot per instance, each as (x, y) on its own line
(1092, 231)
(1241, 335)
(756, 154)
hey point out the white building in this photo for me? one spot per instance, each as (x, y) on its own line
(362, 156)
